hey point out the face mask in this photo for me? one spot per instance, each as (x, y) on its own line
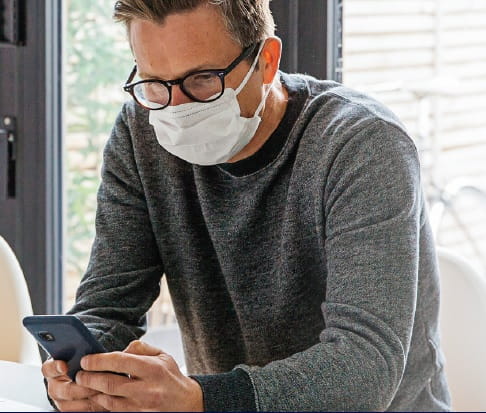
(207, 133)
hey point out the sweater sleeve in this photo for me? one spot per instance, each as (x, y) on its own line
(372, 211)
(123, 276)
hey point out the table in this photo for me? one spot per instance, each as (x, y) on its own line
(23, 383)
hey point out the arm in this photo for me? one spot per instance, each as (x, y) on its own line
(372, 204)
(124, 272)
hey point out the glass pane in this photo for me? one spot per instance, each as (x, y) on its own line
(426, 60)
(97, 62)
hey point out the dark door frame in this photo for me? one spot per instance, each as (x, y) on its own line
(30, 91)
(311, 32)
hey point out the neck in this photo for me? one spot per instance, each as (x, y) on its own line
(272, 115)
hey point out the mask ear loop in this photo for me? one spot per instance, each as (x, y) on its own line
(250, 72)
(262, 103)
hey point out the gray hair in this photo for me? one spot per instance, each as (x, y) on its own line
(247, 21)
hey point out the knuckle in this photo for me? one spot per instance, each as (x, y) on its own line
(85, 393)
(48, 369)
(110, 386)
(137, 345)
(167, 360)
(122, 362)
(108, 402)
(92, 406)
(84, 379)
(53, 389)
(118, 359)
(73, 392)
(115, 359)
(166, 357)
(64, 391)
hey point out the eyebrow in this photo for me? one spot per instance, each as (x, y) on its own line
(204, 66)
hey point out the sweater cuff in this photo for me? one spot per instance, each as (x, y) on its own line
(227, 392)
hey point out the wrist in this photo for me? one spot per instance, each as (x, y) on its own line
(197, 399)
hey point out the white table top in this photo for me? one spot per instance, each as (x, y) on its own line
(23, 383)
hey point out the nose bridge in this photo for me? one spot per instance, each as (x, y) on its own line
(178, 96)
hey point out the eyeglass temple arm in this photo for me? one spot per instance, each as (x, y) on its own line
(247, 52)
(132, 75)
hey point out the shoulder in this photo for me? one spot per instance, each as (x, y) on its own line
(132, 129)
(330, 100)
(335, 115)
(132, 119)
(133, 138)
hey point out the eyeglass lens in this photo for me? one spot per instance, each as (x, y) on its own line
(203, 87)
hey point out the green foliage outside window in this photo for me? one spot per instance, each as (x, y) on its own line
(97, 61)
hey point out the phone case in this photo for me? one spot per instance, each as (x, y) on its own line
(64, 337)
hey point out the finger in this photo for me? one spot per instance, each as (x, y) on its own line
(54, 368)
(87, 405)
(117, 362)
(107, 383)
(114, 403)
(62, 390)
(142, 349)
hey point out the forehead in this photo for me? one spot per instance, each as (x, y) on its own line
(182, 42)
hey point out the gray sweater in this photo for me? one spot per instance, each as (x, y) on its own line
(303, 278)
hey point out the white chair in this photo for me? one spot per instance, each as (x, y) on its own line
(16, 344)
(463, 329)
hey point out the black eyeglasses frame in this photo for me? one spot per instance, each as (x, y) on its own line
(221, 73)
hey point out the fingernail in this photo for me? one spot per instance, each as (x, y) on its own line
(59, 368)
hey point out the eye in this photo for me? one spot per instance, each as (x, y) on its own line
(204, 85)
(151, 94)
(203, 77)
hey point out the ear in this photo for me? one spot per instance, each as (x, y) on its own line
(270, 58)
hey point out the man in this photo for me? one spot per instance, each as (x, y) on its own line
(287, 216)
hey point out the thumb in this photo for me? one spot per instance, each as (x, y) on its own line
(142, 349)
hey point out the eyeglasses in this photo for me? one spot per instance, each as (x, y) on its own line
(201, 86)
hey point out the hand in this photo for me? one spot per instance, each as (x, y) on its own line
(68, 396)
(155, 382)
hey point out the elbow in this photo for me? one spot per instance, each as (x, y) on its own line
(384, 385)
(375, 384)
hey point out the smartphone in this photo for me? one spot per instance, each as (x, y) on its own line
(64, 337)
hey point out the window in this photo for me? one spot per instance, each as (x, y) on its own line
(426, 60)
(98, 59)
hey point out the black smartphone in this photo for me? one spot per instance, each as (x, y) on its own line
(64, 337)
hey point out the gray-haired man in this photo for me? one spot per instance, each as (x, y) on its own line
(287, 216)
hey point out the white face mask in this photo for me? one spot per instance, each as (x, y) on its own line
(207, 133)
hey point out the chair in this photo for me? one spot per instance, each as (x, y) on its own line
(463, 330)
(16, 344)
